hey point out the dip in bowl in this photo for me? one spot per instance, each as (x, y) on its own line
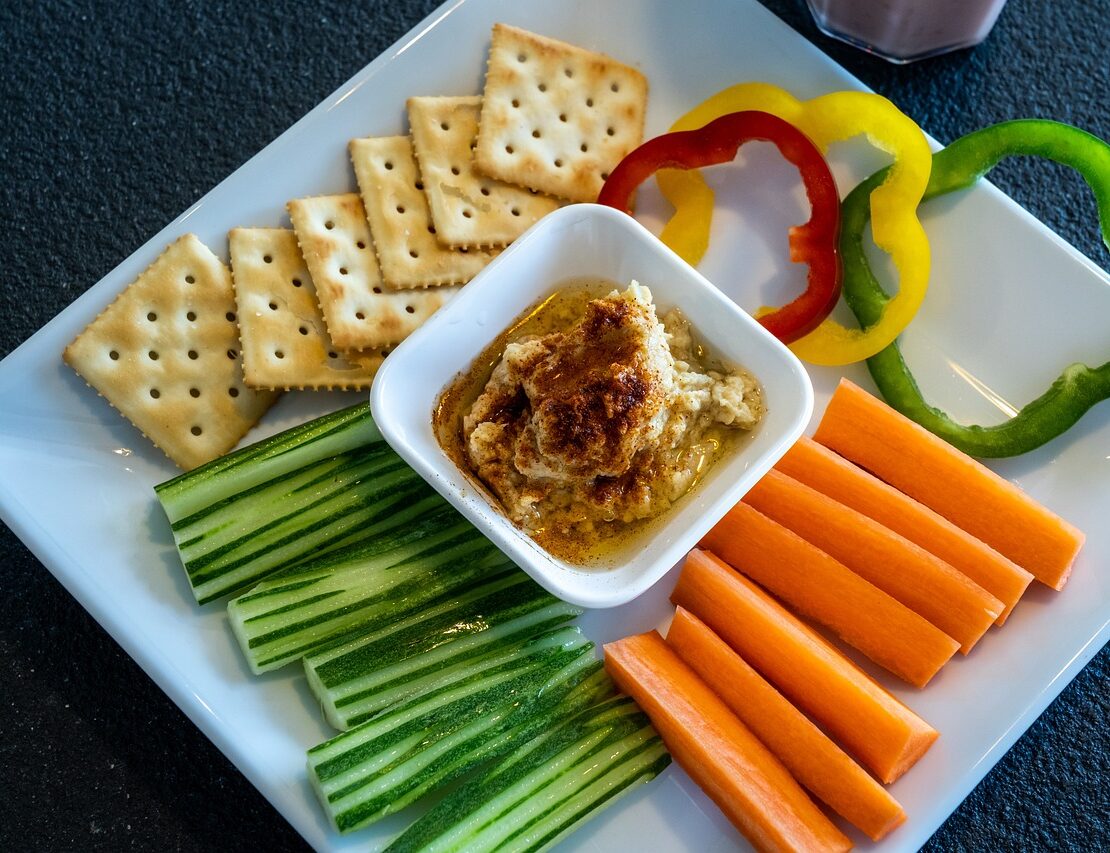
(421, 399)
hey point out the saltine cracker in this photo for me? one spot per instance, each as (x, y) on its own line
(555, 117)
(360, 313)
(467, 208)
(285, 343)
(408, 250)
(165, 354)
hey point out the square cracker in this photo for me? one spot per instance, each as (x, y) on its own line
(555, 117)
(404, 237)
(165, 354)
(360, 313)
(285, 343)
(468, 209)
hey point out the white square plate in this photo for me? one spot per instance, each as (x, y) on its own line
(75, 479)
(586, 241)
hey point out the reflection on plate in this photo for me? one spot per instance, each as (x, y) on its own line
(75, 480)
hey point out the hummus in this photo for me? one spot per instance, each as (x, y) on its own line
(602, 423)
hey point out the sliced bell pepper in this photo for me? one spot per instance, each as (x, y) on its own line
(958, 166)
(897, 231)
(814, 243)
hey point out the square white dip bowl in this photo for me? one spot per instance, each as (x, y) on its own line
(576, 242)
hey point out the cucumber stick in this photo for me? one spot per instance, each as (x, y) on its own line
(334, 599)
(547, 787)
(420, 745)
(315, 488)
(471, 632)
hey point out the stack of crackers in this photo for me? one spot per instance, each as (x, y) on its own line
(193, 354)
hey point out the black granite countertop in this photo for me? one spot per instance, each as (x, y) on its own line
(118, 116)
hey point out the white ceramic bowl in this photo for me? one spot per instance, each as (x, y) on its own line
(587, 240)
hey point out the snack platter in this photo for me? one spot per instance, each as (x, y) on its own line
(101, 533)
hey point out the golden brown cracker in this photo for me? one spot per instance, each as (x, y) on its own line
(555, 117)
(467, 208)
(404, 236)
(165, 353)
(360, 313)
(285, 342)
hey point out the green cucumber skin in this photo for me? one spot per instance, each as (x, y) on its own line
(467, 631)
(507, 793)
(481, 726)
(268, 459)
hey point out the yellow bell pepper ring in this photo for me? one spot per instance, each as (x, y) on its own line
(895, 226)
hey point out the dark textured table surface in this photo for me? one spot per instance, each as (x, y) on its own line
(119, 116)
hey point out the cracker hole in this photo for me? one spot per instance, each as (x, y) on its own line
(273, 306)
(420, 186)
(232, 354)
(583, 147)
(268, 258)
(589, 102)
(431, 229)
(613, 87)
(520, 57)
(609, 131)
(413, 253)
(604, 176)
(194, 392)
(230, 316)
(193, 355)
(410, 309)
(361, 244)
(233, 392)
(303, 330)
(388, 164)
(444, 126)
(400, 208)
(196, 430)
(508, 149)
(516, 104)
(155, 393)
(153, 355)
(329, 225)
(542, 87)
(562, 117)
(485, 190)
(190, 280)
(278, 354)
(454, 170)
(466, 214)
(558, 164)
(377, 290)
(296, 282)
(515, 211)
(333, 355)
(114, 355)
(191, 316)
(535, 134)
(569, 72)
(342, 270)
(152, 316)
(359, 315)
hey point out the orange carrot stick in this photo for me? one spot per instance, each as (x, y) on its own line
(819, 468)
(867, 431)
(882, 733)
(824, 590)
(920, 580)
(738, 773)
(818, 763)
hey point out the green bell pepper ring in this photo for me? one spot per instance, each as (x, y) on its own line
(956, 167)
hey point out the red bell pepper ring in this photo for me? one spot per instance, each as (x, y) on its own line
(814, 243)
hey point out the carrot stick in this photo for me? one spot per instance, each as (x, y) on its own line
(970, 495)
(819, 468)
(920, 580)
(882, 733)
(822, 589)
(818, 763)
(727, 761)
